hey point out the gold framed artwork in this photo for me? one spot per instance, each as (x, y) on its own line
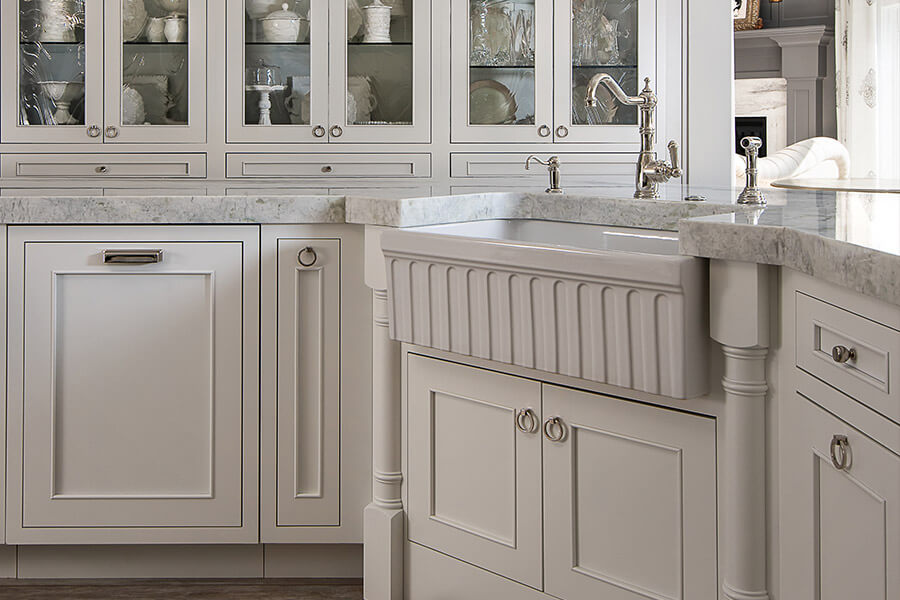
(746, 15)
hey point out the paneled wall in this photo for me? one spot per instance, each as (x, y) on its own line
(796, 13)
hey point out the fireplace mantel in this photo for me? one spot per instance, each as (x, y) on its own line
(804, 56)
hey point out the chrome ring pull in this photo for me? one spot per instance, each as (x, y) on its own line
(94, 131)
(841, 455)
(112, 131)
(526, 421)
(544, 131)
(555, 430)
(336, 131)
(313, 257)
(843, 354)
(562, 131)
(319, 131)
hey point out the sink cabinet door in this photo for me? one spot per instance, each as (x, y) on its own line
(474, 478)
(133, 411)
(629, 500)
(840, 528)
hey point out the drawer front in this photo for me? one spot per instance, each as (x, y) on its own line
(14, 166)
(869, 374)
(319, 165)
(616, 166)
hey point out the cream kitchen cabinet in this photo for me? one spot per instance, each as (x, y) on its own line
(133, 387)
(840, 510)
(519, 69)
(332, 82)
(572, 493)
(91, 72)
(316, 448)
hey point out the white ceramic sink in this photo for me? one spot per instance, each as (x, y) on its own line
(568, 235)
(608, 304)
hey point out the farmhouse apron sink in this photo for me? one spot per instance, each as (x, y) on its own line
(607, 304)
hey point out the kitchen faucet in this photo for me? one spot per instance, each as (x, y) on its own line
(650, 170)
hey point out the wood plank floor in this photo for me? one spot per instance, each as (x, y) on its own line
(231, 589)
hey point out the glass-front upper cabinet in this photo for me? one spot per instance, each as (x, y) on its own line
(329, 71)
(520, 68)
(155, 70)
(601, 36)
(97, 71)
(52, 83)
(502, 70)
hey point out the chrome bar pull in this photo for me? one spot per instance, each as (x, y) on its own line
(132, 257)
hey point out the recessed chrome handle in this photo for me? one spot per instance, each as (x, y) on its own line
(555, 430)
(311, 257)
(132, 257)
(843, 354)
(319, 131)
(841, 455)
(101, 169)
(94, 131)
(562, 131)
(336, 131)
(112, 131)
(527, 421)
(544, 131)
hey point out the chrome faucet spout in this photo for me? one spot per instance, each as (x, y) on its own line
(650, 170)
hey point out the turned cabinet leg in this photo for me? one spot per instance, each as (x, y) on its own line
(383, 568)
(745, 473)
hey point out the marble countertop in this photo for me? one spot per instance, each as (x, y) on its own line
(850, 239)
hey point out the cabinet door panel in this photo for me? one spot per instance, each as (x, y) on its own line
(309, 431)
(474, 478)
(629, 500)
(131, 410)
(294, 109)
(380, 87)
(840, 528)
(155, 86)
(501, 71)
(622, 43)
(52, 65)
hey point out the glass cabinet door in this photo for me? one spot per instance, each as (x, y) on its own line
(155, 71)
(380, 75)
(52, 55)
(502, 65)
(277, 71)
(601, 36)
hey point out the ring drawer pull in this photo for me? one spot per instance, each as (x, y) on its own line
(555, 430)
(526, 421)
(132, 257)
(544, 131)
(94, 131)
(562, 131)
(842, 354)
(337, 131)
(319, 131)
(112, 131)
(312, 257)
(841, 455)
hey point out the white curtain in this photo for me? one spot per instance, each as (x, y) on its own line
(868, 85)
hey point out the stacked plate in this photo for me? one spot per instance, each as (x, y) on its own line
(491, 103)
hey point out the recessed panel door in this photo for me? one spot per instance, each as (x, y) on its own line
(629, 500)
(475, 467)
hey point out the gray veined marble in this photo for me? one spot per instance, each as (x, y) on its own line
(851, 239)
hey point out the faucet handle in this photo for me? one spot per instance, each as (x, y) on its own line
(673, 155)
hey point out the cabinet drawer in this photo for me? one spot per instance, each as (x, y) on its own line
(319, 165)
(869, 375)
(616, 166)
(103, 165)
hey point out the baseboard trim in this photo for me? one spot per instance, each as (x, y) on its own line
(309, 561)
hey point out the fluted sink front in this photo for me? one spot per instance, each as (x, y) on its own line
(607, 304)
